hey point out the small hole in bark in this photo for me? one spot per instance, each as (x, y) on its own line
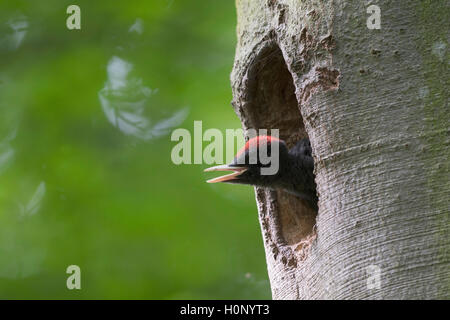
(271, 103)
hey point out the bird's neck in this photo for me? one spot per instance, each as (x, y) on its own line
(291, 172)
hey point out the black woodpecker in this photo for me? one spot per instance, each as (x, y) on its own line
(295, 174)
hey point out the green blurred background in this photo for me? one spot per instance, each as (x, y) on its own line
(86, 176)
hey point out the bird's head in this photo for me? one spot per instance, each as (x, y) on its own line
(259, 162)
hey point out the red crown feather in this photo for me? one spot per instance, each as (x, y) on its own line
(256, 141)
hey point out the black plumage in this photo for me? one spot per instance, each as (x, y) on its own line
(300, 179)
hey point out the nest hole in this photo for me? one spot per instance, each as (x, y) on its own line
(272, 104)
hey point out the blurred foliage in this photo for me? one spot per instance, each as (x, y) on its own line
(77, 187)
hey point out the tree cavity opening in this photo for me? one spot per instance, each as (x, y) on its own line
(271, 103)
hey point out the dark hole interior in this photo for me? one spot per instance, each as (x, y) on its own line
(272, 104)
(272, 96)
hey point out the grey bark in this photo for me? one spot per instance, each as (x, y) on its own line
(374, 104)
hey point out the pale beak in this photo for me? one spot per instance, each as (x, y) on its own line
(232, 176)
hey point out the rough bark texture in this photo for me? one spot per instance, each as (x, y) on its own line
(374, 104)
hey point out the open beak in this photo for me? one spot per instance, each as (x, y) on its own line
(232, 176)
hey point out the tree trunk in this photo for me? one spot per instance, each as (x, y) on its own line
(374, 103)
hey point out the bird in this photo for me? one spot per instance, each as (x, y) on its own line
(295, 173)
